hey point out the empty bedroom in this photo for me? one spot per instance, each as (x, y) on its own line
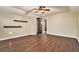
(39, 28)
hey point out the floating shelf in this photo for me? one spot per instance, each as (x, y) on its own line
(20, 21)
(12, 26)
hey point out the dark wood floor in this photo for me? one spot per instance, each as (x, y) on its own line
(40, 43)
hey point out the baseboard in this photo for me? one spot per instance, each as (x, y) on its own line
(78, 39)
(33, 33)
(14, 37)
(63, 35)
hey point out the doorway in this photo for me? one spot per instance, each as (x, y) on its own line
(41, 25)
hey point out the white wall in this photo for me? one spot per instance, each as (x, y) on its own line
(7, 19)
(63, 24)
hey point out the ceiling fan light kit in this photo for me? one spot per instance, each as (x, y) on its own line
(41, 11)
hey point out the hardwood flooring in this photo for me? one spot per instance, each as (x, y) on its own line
(40, 43)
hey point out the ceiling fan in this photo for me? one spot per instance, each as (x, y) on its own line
(42, 9)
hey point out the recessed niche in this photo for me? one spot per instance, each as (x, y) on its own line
(12, 26)
(20, 21)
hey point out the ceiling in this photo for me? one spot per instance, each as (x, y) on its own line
(28, 10)
(53, 10)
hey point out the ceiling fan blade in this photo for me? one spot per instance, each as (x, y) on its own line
(46, 9)
(36, 11)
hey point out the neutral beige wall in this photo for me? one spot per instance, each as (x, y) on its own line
(63, 24)
(7, 19)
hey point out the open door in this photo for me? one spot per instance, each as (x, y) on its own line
(39, 26)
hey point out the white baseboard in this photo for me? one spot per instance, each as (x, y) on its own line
(14, 37)
(33, 33)
(63, 35)
(78, 39)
